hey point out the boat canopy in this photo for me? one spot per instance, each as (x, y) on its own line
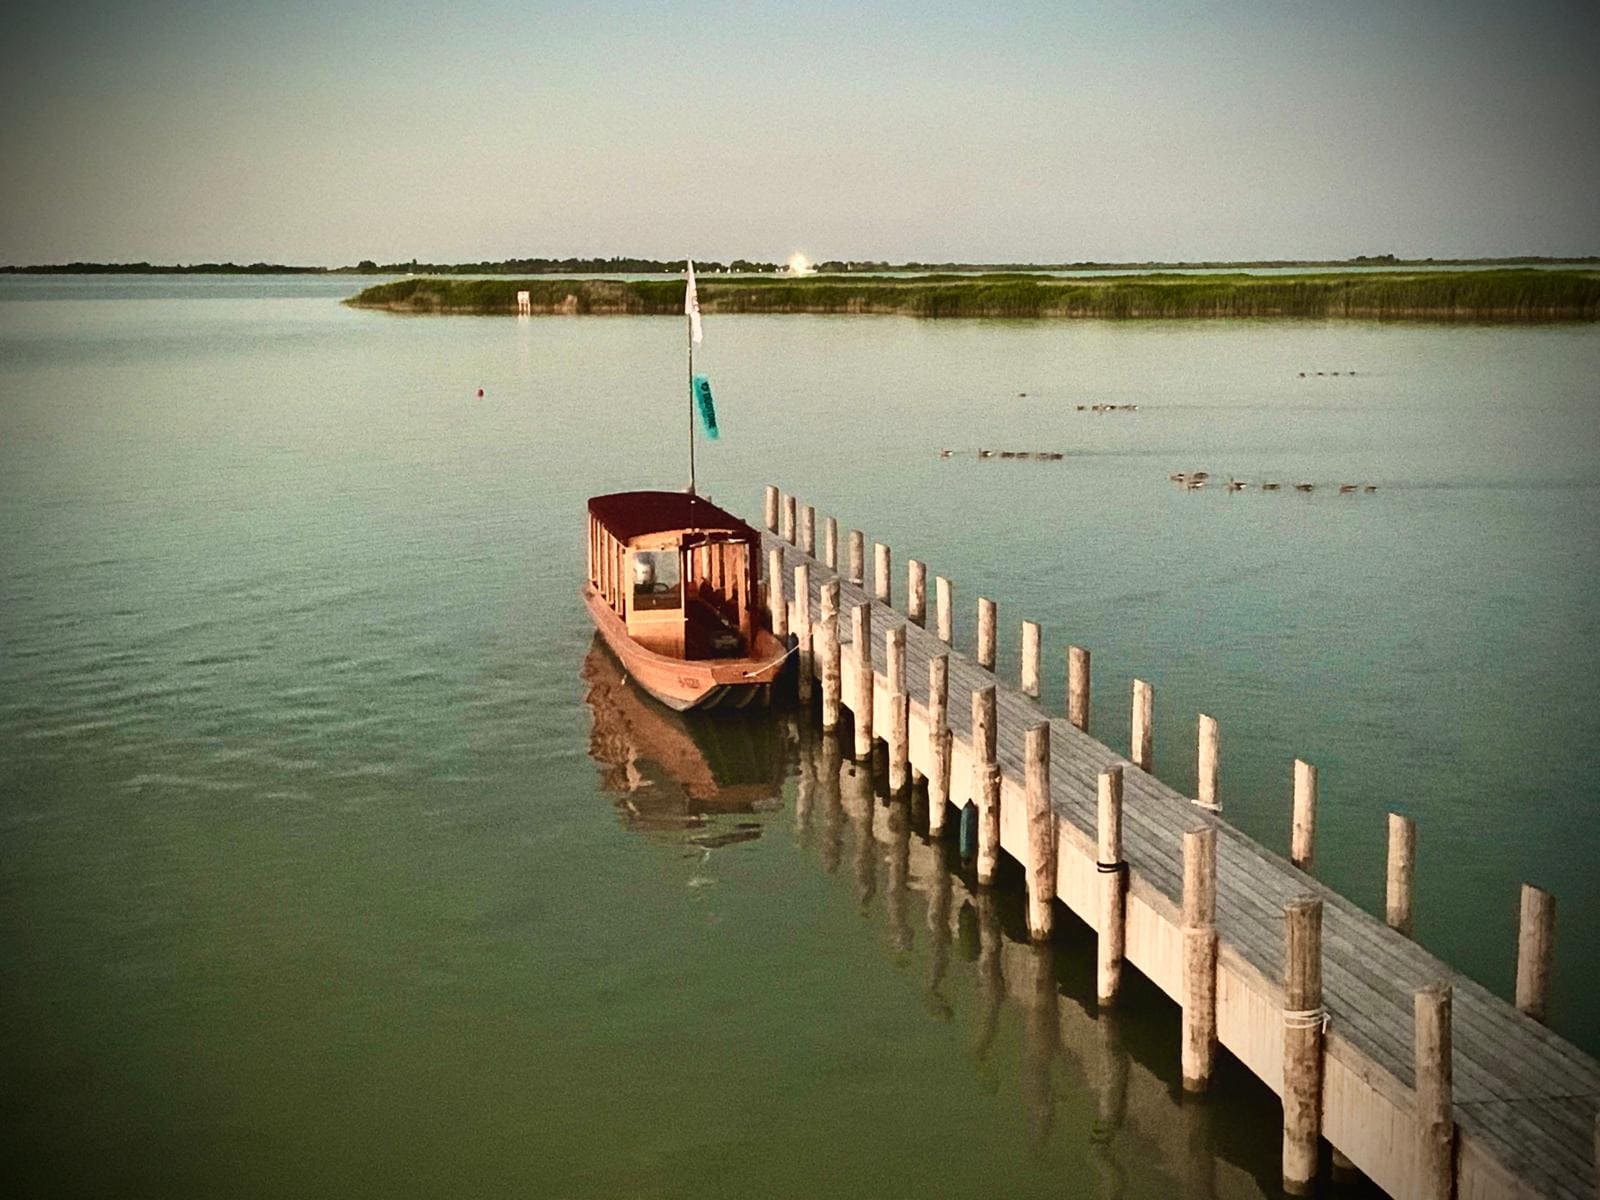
(629, 515)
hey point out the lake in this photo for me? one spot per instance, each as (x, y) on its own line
(337, 860)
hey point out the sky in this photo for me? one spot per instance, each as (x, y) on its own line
(329, 131)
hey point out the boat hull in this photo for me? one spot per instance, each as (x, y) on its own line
(686, 685)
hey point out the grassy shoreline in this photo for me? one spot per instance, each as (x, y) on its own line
(1509, 295)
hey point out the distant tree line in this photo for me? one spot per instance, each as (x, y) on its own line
(562, 266)
(144, 268)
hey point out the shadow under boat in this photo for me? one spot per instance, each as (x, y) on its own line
(672, 772)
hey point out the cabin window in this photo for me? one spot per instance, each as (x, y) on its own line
(655, 580)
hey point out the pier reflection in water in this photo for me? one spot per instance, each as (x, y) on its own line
(1031, 1026)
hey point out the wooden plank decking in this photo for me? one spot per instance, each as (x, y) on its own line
(1525, 1100)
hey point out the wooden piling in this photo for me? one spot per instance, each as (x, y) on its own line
(1141, 738)
(1402, 869)
(899, 739)
(939, 742)
(1436, 1130)
(1536, 933)
(882, 585)
(1199, 957)
(1041, 833)
(1302, 1043)
(1113, 933)
(986, 633)
(828, 656)
(944, 615)
(986, 782)
(806, 667)
(1029, 675)
(808, 530)
(858, 557)
(1210, 765)
(787, 533)
(861, 635)
(917, 591)
(1078, 687)
(1303, 839)
(777, 603)
(771, 515)
(830, 543)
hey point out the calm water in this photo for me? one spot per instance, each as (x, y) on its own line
(336, 861)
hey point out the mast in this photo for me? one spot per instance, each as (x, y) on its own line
(689, 323)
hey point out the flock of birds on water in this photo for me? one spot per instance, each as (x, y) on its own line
(1193, 481)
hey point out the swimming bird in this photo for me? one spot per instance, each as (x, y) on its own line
(1303, 487)
(1178, 476)
(985, 453)
(1371, 487)
(1202, 475)
(1081, 407)
(1270, 487)
(1346, 488)
(946, 453)
(1194, 485)
(1237, 485)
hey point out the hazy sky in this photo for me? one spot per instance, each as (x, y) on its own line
(321, 131)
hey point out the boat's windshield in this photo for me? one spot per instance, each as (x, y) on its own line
(656, 580)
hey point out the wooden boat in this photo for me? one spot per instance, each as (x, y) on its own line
(672, 589)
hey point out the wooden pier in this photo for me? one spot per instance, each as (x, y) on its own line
(1414, 1074)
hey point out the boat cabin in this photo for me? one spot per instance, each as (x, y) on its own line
(678, 571)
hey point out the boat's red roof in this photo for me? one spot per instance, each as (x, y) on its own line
(628, 515)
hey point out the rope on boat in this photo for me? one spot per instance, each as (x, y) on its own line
(794, 649)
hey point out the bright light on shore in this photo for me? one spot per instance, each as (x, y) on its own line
(799, 264)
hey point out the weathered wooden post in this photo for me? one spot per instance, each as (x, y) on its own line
(861, 635)
(944, 615)
(1199, 957)
(986, 633)
(1303, 838)
(1402, 869)
(1041, 833)
(1078, 687)
(1210, 764)
(787, 533)
(1302, 1043)
(1113, 932)
(806, 668)
(830, 543)
(1029, 675)
(829, 651)
(986, 782)
(777, 602)
(808, 530)
(858, 557)
(1536, 934)
(939, 740)
(894, 657)
(1436, 1129)
(771, 515)
(1140, 732)
(917, 591)
(882, 586)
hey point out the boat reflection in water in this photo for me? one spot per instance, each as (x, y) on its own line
(681, 773)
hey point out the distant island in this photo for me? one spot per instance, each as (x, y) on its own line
(1521, 294)
(743, 266)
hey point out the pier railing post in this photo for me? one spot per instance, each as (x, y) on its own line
(986, 633)
(882, 585)
(1140, 751)
(858, 557)
(1207, 795)
(1402, 869)
(986, 782)
(939, 740)
(788, 531)
(829, 652)
(1303, 1018)
(899, 739)
(802, 628)
(777, 602)
(770, 515)
(830, 543)
(1113, 878)
(1536, 933)
(1199, 957)
(917, 591)
(808, 530)
(861, 635)
(943, 613)
(1041, 833)
(1029, 675)
(1302, 840)
(1436, 1128)
(1078, 687)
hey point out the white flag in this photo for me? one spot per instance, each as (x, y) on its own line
(691, 306)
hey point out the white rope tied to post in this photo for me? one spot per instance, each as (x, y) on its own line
(767, 666)
(1306, 1018)
(1215, 808)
